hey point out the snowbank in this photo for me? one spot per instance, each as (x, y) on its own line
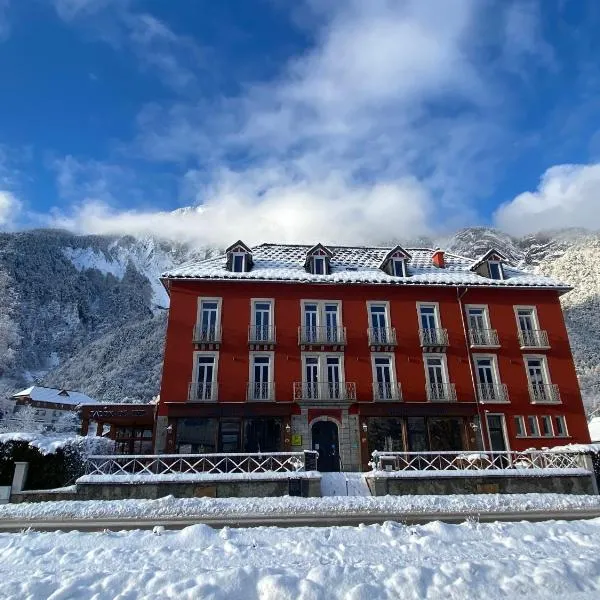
(436, 561)
(198, 507)
(47, 444)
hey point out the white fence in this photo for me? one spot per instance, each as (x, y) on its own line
(479, 461)
(168, 464)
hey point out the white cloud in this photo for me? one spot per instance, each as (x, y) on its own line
(10, 208)
(567, 196)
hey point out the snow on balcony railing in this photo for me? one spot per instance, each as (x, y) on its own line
(333, 336)
(387, 390)
(257, 334)
(441, 392)
(191, 464)
(382, 336)
(534, 338)
(331, 391)
(206, 335)
(433, 337)
(473, 460)
(203, 392)
(260, 391)
(544, 393)
(483, 338)
(492, 392)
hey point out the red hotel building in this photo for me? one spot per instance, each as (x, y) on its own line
(353, 349)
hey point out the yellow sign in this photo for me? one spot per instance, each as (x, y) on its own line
(296, 440)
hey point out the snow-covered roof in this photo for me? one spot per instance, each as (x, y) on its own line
(594, 427)
(45, 394)
(352, 264)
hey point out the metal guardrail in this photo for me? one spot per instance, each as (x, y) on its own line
(433, 338)
(260, 391)
(382, 336)
(332, 336)
(534, 338)
(203, 392)
(258, 334)
(492, 392)
(484, 338)
(441, 392)
(473, 460)
(324, 390)
(544, 393)
(206, 335)
(190, 464)
(383, 390)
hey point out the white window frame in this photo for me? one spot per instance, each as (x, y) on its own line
(500, 269)
(541, 422)
(486, 313)
(533, 310)
(532, 433)
(521, 420)
(495, 368)
(402, 263)
(545, 369)
(252, 355)
(322, 365)
(504, 429)
(436, 314)
(314, 259)
(215, 379)
(321, 311)
(219, 302)
(394, 375)
(563, 420)
(254, 302)
(386, 304)
(445, 373)
(244, 256)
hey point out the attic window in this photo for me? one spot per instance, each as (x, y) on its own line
(395, 262)
(238, 264)
(318, 260)
(239, 258)
(495, 269)
(318, 265)
(399, 267)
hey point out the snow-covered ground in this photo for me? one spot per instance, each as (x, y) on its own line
(391, 561)
(170, 507)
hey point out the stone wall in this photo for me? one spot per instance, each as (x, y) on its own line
(484, 484)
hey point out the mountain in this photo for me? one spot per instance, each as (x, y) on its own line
(89, 312)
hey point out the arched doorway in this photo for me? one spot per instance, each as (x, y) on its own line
(325, 442)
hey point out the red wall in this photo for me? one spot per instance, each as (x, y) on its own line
(233, 369)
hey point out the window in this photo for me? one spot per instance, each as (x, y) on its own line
(239, 262)
(438, 388)
(488, 379)
(495, 269)
(261, 377)
(546, 426)
(196, 435)
(540, 389)
(322, 323)
(480, 331)
(318, 265)
(262, 329)
(534, 429)
(384, 378)
(560, 426)
(520, 426)
(323, 376)
(204, 387)
(263, 434)
(209, 320)
(399, 267)
(379, 330)
(428, 316)
(430, 332)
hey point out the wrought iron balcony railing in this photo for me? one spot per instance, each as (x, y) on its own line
(483, 338)
(387, 390)
(492, 392)
(433, 338)
(543, 393)
(441, 392)
(324, 390)
(333, 336)
(382, 336)
(534, 338)
(261, 335)
(202, 392)
(206, 335)
(260, 391)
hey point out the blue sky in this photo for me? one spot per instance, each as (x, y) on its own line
(344, 121)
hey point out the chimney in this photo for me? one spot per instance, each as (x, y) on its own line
(438, 258)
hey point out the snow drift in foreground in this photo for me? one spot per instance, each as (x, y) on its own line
(434, 561)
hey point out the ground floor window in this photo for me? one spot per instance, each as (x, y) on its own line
(200, 436)
(133, 440)
(416, 434)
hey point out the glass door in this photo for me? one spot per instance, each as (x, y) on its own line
(334, 378)
(311, 375)
(310, 323)
(477, 326)
(331, 323)
(262, 321)
(209, 320)
(526, 323)
(436, 379)
(204, 384)
(378, 324)
(383, 378)
(486, 379)
(537, 378)
(261, 386)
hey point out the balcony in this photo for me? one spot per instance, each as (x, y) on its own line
(324, 391)
(544, 393)
(202, 392)
(433, 338)
(261, 335)
(492, 392)
(206, 335)
(441, 392)
(385, 391)
(260, 391)
(382, 336)
(322, 336)
(534, 338)
(483, 338)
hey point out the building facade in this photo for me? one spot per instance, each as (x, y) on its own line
(349, 350)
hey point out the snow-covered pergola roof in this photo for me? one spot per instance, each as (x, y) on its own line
(39, 393)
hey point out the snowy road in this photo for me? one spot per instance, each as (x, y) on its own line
(391, 561)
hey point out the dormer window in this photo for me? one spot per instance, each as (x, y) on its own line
(395, 262)
(318, 260)
(490, 265)
(239, 258)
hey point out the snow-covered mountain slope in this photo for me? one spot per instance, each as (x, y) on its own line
(90, 312)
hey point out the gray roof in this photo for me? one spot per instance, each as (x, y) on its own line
(45, 394)
(350, 264)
